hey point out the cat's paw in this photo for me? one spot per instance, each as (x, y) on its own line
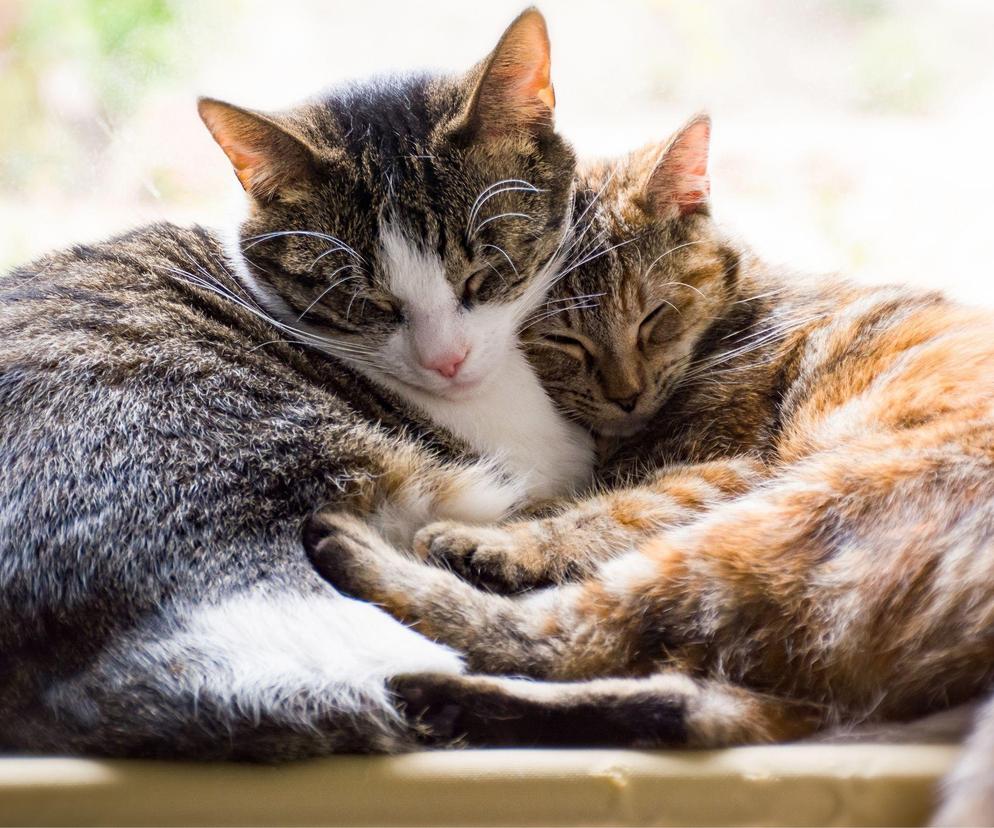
(432, 707)
(347, 552)
(447, 710)
(492, 557)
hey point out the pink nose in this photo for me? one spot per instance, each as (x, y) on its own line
(447, 365)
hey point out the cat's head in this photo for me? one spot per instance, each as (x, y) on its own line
(407, 226)
(650, 273)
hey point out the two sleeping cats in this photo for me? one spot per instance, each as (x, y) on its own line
(796, 535)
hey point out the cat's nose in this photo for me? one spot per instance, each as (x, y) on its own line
(627, 404)
(447, 364)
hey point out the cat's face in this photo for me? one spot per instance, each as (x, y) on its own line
(408, 227)
(620, 329)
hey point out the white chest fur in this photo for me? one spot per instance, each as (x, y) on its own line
(512, 420)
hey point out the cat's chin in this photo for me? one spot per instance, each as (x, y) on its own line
(457, 391)
(622, 428)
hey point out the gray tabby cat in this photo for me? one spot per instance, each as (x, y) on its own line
(171, 408)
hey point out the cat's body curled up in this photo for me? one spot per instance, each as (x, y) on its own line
(799, 532)
(171, 408)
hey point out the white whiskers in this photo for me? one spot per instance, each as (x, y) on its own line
(485, 222)
(666, 253)
(341, 246)
(351, 352)
(758, 340)
(330, 288)
(495, 189)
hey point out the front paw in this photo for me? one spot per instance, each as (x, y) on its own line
(431, 705)
(489, 556)
(345, 551)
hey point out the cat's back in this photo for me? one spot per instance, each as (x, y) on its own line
(124, 341)
(144, 407)
(855, 362)
(809, 368)
(896, 360)
(132, 291)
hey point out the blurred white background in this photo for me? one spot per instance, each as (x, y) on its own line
(850, 135)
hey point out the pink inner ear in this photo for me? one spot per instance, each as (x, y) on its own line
(681, 176)
(536, 84)
(247, 164)
(517, 90)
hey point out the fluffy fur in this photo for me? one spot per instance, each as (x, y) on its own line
(171, 410)
(803, 511)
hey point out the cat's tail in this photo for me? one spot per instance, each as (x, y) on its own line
(269, 674)
(968, 792)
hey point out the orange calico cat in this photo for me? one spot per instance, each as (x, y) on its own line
(805, 534)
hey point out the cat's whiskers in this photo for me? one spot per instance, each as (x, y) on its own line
(595, 256)
(597, 196)
(495, 270)
(556, 311)
(696, 290)
(330, 288)
(210, 277)
(779, 332)
(565, 254)
(577, 237)
(485, 222)
(503, 253)
(355, 295)
(666, 253)
(263, 237)
(489, 192)
(577, 296)
(765, 295)
(348, 351)
(549, 274)
(599, 238)
(328, 252)
(548, 309)
(752, 345)
(498, 188)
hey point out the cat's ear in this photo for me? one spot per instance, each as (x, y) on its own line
(266, 157)
(513, 92)
(679, 184)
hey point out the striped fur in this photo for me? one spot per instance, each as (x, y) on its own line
(805, 512)
(172, 408)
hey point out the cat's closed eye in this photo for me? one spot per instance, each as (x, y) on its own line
(657, 326)
(381, 310)
(482, 284)
(472, 285)
(570, 345)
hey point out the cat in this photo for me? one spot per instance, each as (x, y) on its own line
(799, 531)
(173, 405)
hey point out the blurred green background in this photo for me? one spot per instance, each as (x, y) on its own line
(850, 135)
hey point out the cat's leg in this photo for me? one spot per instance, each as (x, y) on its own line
(500, 635)
(410, 488)
(664, 710)
(851, 578)
(264, 675)
(568, 545)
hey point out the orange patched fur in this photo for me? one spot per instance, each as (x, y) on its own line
(802, 511)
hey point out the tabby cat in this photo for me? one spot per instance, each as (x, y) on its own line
(802, 527)
(171, 408)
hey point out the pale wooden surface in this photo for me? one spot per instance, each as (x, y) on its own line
(783, 785)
